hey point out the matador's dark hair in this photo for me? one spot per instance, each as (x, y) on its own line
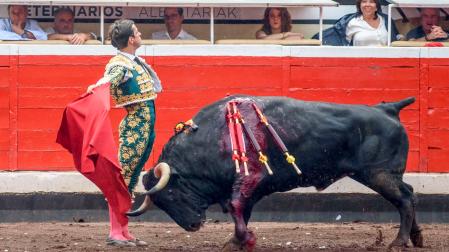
(119, 33)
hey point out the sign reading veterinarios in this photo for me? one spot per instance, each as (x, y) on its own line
(90, 12)
(199, 13)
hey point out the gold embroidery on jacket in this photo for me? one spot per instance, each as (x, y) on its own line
(119, 71)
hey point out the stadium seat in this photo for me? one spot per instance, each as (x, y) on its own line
(174, 42)
(305, 42)
(169, 42)
(93, 42)
(414, 43)
(34, 42)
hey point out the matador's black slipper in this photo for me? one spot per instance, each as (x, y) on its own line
(119, 243)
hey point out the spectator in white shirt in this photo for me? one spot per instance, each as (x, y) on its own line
(19, 27)
(368, 28)
(173, 18)
(63, 28)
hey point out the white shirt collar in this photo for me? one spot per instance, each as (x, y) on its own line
(130, 56)
(180, 35)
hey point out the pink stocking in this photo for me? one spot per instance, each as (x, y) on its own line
(116, 229)
(126, 233)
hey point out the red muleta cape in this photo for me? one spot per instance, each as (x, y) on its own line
(86, 132)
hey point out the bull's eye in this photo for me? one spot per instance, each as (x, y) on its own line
(170, 195)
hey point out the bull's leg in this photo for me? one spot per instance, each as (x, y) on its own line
(416, 234)
(398, 193)
(241, 211)
(243, 198)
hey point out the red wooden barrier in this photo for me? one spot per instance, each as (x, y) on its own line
(35, 89)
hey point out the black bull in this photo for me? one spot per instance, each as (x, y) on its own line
(329, 141)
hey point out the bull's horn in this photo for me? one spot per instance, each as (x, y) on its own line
(161, 170)
(143, 208)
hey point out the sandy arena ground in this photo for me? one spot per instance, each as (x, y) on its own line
(272, 236)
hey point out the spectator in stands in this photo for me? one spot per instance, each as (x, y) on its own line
(430, 29)
(277, 24)
(19, 27)
(63, 28)
(366, 27)
(173, 18)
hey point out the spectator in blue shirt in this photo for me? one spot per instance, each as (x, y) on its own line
(430, 28)
(19, 27)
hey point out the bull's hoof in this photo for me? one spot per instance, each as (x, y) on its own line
(232, 245)
(417, 239)
(397, 245)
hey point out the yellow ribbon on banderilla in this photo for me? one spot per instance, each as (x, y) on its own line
(185, 127)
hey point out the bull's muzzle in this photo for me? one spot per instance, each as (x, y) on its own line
(162, 171)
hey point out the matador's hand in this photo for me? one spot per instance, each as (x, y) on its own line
(90, 89)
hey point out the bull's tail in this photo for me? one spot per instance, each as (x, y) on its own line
(393, 108)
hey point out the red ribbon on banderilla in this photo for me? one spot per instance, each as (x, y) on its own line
(235, 123)
(233, 139)
(239, 136)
